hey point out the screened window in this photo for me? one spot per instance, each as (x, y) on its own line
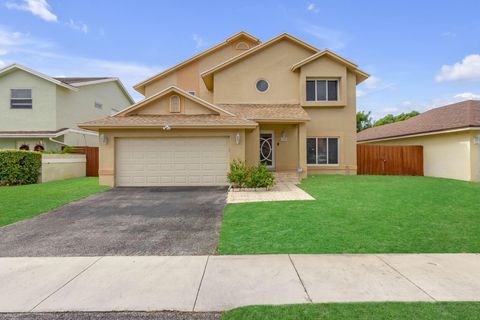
(21, 99)
(322, 90)
(322, 151)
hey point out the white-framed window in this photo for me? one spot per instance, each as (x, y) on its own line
(323, 150)
(98, 105)
(322, 90)
(21, 99)
(174, 104)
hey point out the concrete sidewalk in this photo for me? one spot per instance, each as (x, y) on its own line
(216, 283)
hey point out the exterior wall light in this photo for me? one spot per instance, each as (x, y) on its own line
(237, 138)
(283, 136)
(167, 127)
(477, 140)
(103, 139)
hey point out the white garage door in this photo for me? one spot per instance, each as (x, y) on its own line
(189, 161)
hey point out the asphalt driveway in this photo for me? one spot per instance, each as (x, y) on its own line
(123, 221)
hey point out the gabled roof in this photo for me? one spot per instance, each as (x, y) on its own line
(269, 112)
(140, 87)
(350, 65)
(461, 115)
(178, 91)
(17, 66)
(170, 120)
(77, 80)
(87, 81)
(208, 74)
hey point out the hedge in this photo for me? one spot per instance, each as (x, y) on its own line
(19, 167)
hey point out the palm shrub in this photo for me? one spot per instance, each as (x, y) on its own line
(19, 167)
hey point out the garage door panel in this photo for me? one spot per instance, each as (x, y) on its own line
(172, 161)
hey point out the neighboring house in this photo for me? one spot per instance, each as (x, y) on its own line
(38, 110)
(450, 137)
(283, 103)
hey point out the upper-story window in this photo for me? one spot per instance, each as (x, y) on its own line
(262, 85)
(98, 105)
(21, 99)
(322, 90)
(175, 104)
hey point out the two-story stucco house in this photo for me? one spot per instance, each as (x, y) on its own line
(38, 111)
(282, 102)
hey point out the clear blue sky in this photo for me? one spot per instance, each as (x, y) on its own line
(420, 54)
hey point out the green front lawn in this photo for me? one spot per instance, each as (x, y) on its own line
(360, 214)
(360, 311)
(23, 202)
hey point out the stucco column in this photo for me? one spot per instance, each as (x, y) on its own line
(252, 146)
(302, 148)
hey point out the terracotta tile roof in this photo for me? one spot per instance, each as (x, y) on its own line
(455, 116)
(73, 80)
(268, 111)
(171, 120)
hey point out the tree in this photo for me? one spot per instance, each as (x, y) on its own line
(390, 118)
(364, 120)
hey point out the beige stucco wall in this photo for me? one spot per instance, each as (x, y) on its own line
(162, 106)
(42, 116)
(337, 122)
(107, 152)
(286, 152)
(475, 155)
(447, 155)
(79, 106)
(15, 143)
(188, 77)
(325, 68)
(62, 166)
(236, 84)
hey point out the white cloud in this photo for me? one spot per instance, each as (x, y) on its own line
(3, 52)
(361, 93)
(390, 110)
(330, 38)
(467, 96)
(47, 58)
(39, 8)
(467, 70)
(372, 82)
(199, 41)
(2, 64)
(79, 26)
(373, 85)
(312, 7)
(407, 103)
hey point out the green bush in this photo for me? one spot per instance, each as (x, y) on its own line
(260, 177)
(242, 176)
(65, 149)
(19, 167)
(238, 174)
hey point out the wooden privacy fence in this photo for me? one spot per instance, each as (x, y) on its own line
(390, 160)
(91, 154)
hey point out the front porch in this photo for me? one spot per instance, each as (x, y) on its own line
(281, 147)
